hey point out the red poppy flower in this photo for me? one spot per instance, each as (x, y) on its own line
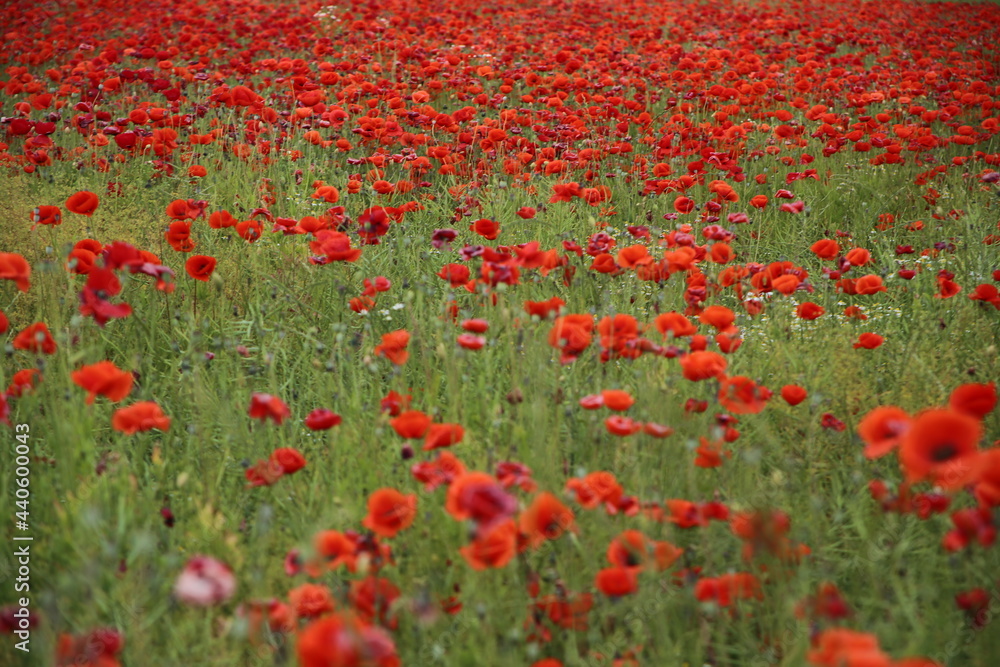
(290, 460)
(618, 425)
(741, 395)
(793, 394)
(595, 488)
(339, 640)
(103, 378)
(456, 274)
(942, 445)
(333, 246)
(809, 310)
(200, 267)
(389, 512)
(412, 424)
(617, 399)
(475, 326)
(616, 582)
(15, 267)
(322, 419)
(83, 203)
(869, 284)
(545, 519)
(657, 430)
(676, 324)
(443, 435)
(35, 338)
(266, 406)
(374, 600)
(868, 341)
(976, 400)
(488, 229)
(703, 365)
(46, 215)
(23, 382)
(471, 342)
(825, 248)
(393, 346)
(493, 548)
(142, 416)
(310, 600)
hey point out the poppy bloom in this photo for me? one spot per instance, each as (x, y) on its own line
(619, 425)
(616, 582)
(595, 488)
(205, 582)
(138, 417)
(674, 323)
(630, 550)
(809, 310)
(411, 424)
(526, 212)
(942, 445)
(657, 430)
(23, 381)
(46, 215)
(838, 646)
(266, 406)
(727, 588)
(870, 284)
(543, 309)
(617, 399)
(488, 229)
(310, 600)
(793, 394)
(493, 548)
(572, 334)
(389, 512)
(338, 640)
(35, 338)
(471, 342)
(545, 519)
(331, 246)
(94, 297)
(103, 378)
(475, 325)
(82, 203)
(710, 453)
(741, 395)
(97, 648)
(858, 257)
(868, 341)
(200, 267)
(456, 274)
(289, 459)
(373, 599)
(393, 346)
(825, 248)
(719, 317)
(321, 419)
(976, 400)
(15, 267)
(443, 435)
(703, 365)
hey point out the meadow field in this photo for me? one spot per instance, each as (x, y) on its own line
(541, 334)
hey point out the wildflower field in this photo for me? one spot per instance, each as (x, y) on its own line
(538, 334)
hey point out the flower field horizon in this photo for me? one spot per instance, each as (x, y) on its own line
(548, 334)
